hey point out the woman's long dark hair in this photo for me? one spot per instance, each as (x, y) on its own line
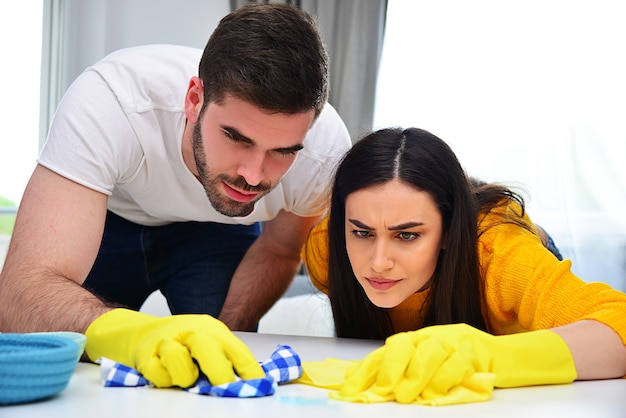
(421, 160)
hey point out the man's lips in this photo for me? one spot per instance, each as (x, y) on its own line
(381, 284)
(237, 195)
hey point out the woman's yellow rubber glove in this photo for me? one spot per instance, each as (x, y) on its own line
(447, 360)
(163, 350)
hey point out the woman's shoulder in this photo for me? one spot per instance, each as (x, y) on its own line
(505, 224)
(315, 255)
(508, 212)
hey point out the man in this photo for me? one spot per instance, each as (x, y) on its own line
(154, 178)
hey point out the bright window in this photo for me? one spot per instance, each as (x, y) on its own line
(20, 43)
(530, 93)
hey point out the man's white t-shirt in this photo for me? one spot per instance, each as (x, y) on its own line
(119, 127)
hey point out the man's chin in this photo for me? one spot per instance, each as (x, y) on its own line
(234, 211)
(227, 206)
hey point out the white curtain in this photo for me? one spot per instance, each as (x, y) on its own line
(528, 93)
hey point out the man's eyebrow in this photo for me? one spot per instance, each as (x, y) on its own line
(238, 136)
(406, 225)
(290, 150)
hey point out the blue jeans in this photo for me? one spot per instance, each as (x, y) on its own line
(192, 263)
(550, 245)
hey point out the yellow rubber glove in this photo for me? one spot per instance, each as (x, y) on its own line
(163, 350)
(457, 363)
(330, 374)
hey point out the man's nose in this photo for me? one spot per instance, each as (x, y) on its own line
(252, 169)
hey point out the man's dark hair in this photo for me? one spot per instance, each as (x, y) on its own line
(269, 55)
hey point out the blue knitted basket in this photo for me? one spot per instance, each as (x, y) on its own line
(38, 365)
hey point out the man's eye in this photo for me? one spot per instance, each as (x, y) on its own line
(229, 136)
(284, 154)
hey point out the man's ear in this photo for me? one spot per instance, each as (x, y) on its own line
(194, 99)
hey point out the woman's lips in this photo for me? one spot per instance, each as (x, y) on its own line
(381, 284)
(237, 195)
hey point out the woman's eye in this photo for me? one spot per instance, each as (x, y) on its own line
(407, 236)
(360, 233)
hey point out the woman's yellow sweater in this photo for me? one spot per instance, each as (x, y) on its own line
(526, 287)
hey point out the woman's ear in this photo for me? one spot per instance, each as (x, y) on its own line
(194, 99)
(444, 240)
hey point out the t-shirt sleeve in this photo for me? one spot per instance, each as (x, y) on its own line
(308, 183)
(91, 140)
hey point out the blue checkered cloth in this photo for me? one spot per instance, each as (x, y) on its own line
(283, 366)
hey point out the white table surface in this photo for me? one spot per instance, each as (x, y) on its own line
(86, 397)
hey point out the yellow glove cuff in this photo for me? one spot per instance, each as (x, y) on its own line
(101, 335)
(532, 358)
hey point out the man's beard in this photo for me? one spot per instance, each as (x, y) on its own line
(213, 183)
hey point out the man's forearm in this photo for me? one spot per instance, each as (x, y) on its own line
(261, 279)
(42, 301)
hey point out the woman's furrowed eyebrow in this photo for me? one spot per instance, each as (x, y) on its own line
(406, 225)
(359, 224)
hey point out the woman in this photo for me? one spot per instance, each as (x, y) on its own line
(411, 243)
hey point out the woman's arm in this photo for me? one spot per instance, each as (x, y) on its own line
(598, 351)
(527, 287)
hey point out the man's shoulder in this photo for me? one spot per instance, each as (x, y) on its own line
(150, 61)
(151, 75)
(159, 52)
(328, 136)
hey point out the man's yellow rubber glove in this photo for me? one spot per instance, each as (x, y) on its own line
(459, 362)
(163, 350)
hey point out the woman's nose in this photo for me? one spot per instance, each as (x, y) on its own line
(381, 258)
